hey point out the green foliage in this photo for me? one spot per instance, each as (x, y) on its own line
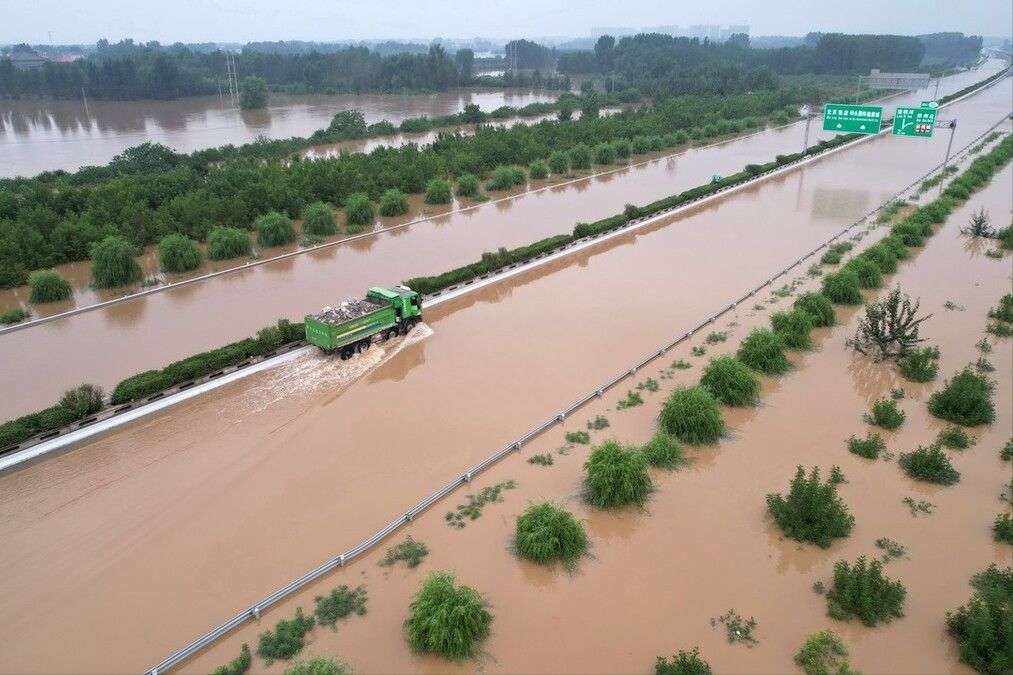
(543, 459)
(580, 157)
(547, 533)
(699, 350)
(883, 257)
(684, 663)
(793, 328)
(886, 414)
(984, 345)
(225, 243)
(954, 437)
(889, 329)
(506, 178)
(870, 447)
(140, 385)
(410, 551)
(177, 253)
(253, 93)
(918, 507)
(763, 351)
(892, 549)
(538, 169)
(14, 315)
(830, 258)
(662, 451)
(1006, 453)
(716, 337)
(318, 219)
(979, 225)
(999, 329)
(318, 665)
(930, 465)
(340, 603)
(447, 621)
(632, 400)
(983, 628)
(842, 287)
(681, 365)
(359, 210)
(238, 665)
(581, 437)
(824, 653)
(83, 400)
(623, 148)
(730, 381)
(812, 511)
(615, 476)
(650, 384)
(113, 263)
(867, 272)
(1002, 528)
(736, 629)
(438, 191)
(965, 400)
(559, 163)
(837, 476)
(693, 416)
(818, 307)
(473, 509)
(286, 640)
(598, 423)
(47, 286)
(274, 229)
(467, 186)
(920, 365)
(393, 202)
(604, 153)
(75, 404)
(863, 591)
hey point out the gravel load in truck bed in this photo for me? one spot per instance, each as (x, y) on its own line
(347, 310)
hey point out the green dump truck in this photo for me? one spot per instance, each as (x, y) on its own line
(355, 324)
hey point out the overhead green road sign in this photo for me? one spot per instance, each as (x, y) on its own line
(914, 122)
(852, 119)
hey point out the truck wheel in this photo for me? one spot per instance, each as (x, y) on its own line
(346, 352)
(392, 333)
(362, 347)
(409, 325)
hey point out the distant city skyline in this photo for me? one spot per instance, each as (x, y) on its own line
(232, 21)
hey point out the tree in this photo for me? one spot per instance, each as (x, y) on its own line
(48, 286)
(253, 93)
(177, 254)
(318, 219)
(604, 53)
(465, 60)
(589, 106)
(348, 123)
(113, 263)
(889, 329)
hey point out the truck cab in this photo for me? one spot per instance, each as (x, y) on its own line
(407, 303)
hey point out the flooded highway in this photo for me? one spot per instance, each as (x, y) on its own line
(105, 345)
(133, 545)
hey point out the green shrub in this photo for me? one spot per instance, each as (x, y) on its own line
(889, 329)
(286, 640)
(581, 437)
(830, 258)
(467, 186)
(954, 437)
(409, 550)
(863, 591)
(793, 328)
(842, 287)
(920, 365)
(886, 414)
(274, 229)
(238, 665)
(506, 178)
(909, 233)
(318, 219)
(812, 511)
(730, 381)
(340, 603)
(547, 533)
(1006, 453)
(824, 653)
(359, 210)
(615, 476)
(48, 286)
(883, 257)
(684, 663)
(82, 400)
(113, 263)
(983, 628)
(1002, 528)
(225, 243)
(538, 170)
(662, 451)
(393, 202)
(604, 153)
(868, 273)
(869, 447)
(930, 465)
(763, 351)
(559, 163)
(447, 621)
(818, 307)
(623, 148)
(965, 400)
(14, 315)
(140, 385)
(177, 254)
(693, 416)
(438, 191)
(318, 665)
(580, 157)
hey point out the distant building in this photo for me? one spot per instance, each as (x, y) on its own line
(25, 60)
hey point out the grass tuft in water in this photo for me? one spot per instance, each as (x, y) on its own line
(693, 416)
(547, 533)
(446, 620)
(763, 351)
(730, 381)
(615, 476)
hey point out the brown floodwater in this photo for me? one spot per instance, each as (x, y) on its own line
(129, 547)
(43, 135)
(105, 345)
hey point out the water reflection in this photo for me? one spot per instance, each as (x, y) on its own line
(124, 314)
(794, 555)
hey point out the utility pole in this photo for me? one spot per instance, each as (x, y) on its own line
(85, 97)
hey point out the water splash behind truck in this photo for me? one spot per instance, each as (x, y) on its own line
(354, 325)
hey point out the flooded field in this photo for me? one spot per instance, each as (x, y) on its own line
(181, 520)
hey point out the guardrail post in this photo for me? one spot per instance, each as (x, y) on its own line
(341, 560)
(561, 417)
(256, 613)
(408, 517)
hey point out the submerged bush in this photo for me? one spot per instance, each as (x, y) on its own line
(318, 219)
(662, 451)
(274, 229)
(824, 653)
(113, 263)
(684, 663)
(538, 170)
(862, 590)
(393, 202)
(546, 532)
(615, 476)
(730, 381)
(177, 254)
(842, 287)
(447, 621)
(14, 315)
(818, 307)
(286, 640)
(438, 191)
(83, 400)
(1002, 528)
(920, 365)
(812, 511)
(930, 465)
(793, 328)
(692, 415)
(359, 210)
(954, 437)
(870, 447)
(48, 286)
(886, 414)
(889, 329)
(506, 177)
(238, 665)
(467, 186)
(867, 272)
(983, 628)
(559, 163)
(318, 665)
(763, 351)
(580, 157)
(229, 242)
(966, 399)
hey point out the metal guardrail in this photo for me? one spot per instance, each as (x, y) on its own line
(255, 611)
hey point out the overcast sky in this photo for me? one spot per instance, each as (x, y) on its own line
(168, 21)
